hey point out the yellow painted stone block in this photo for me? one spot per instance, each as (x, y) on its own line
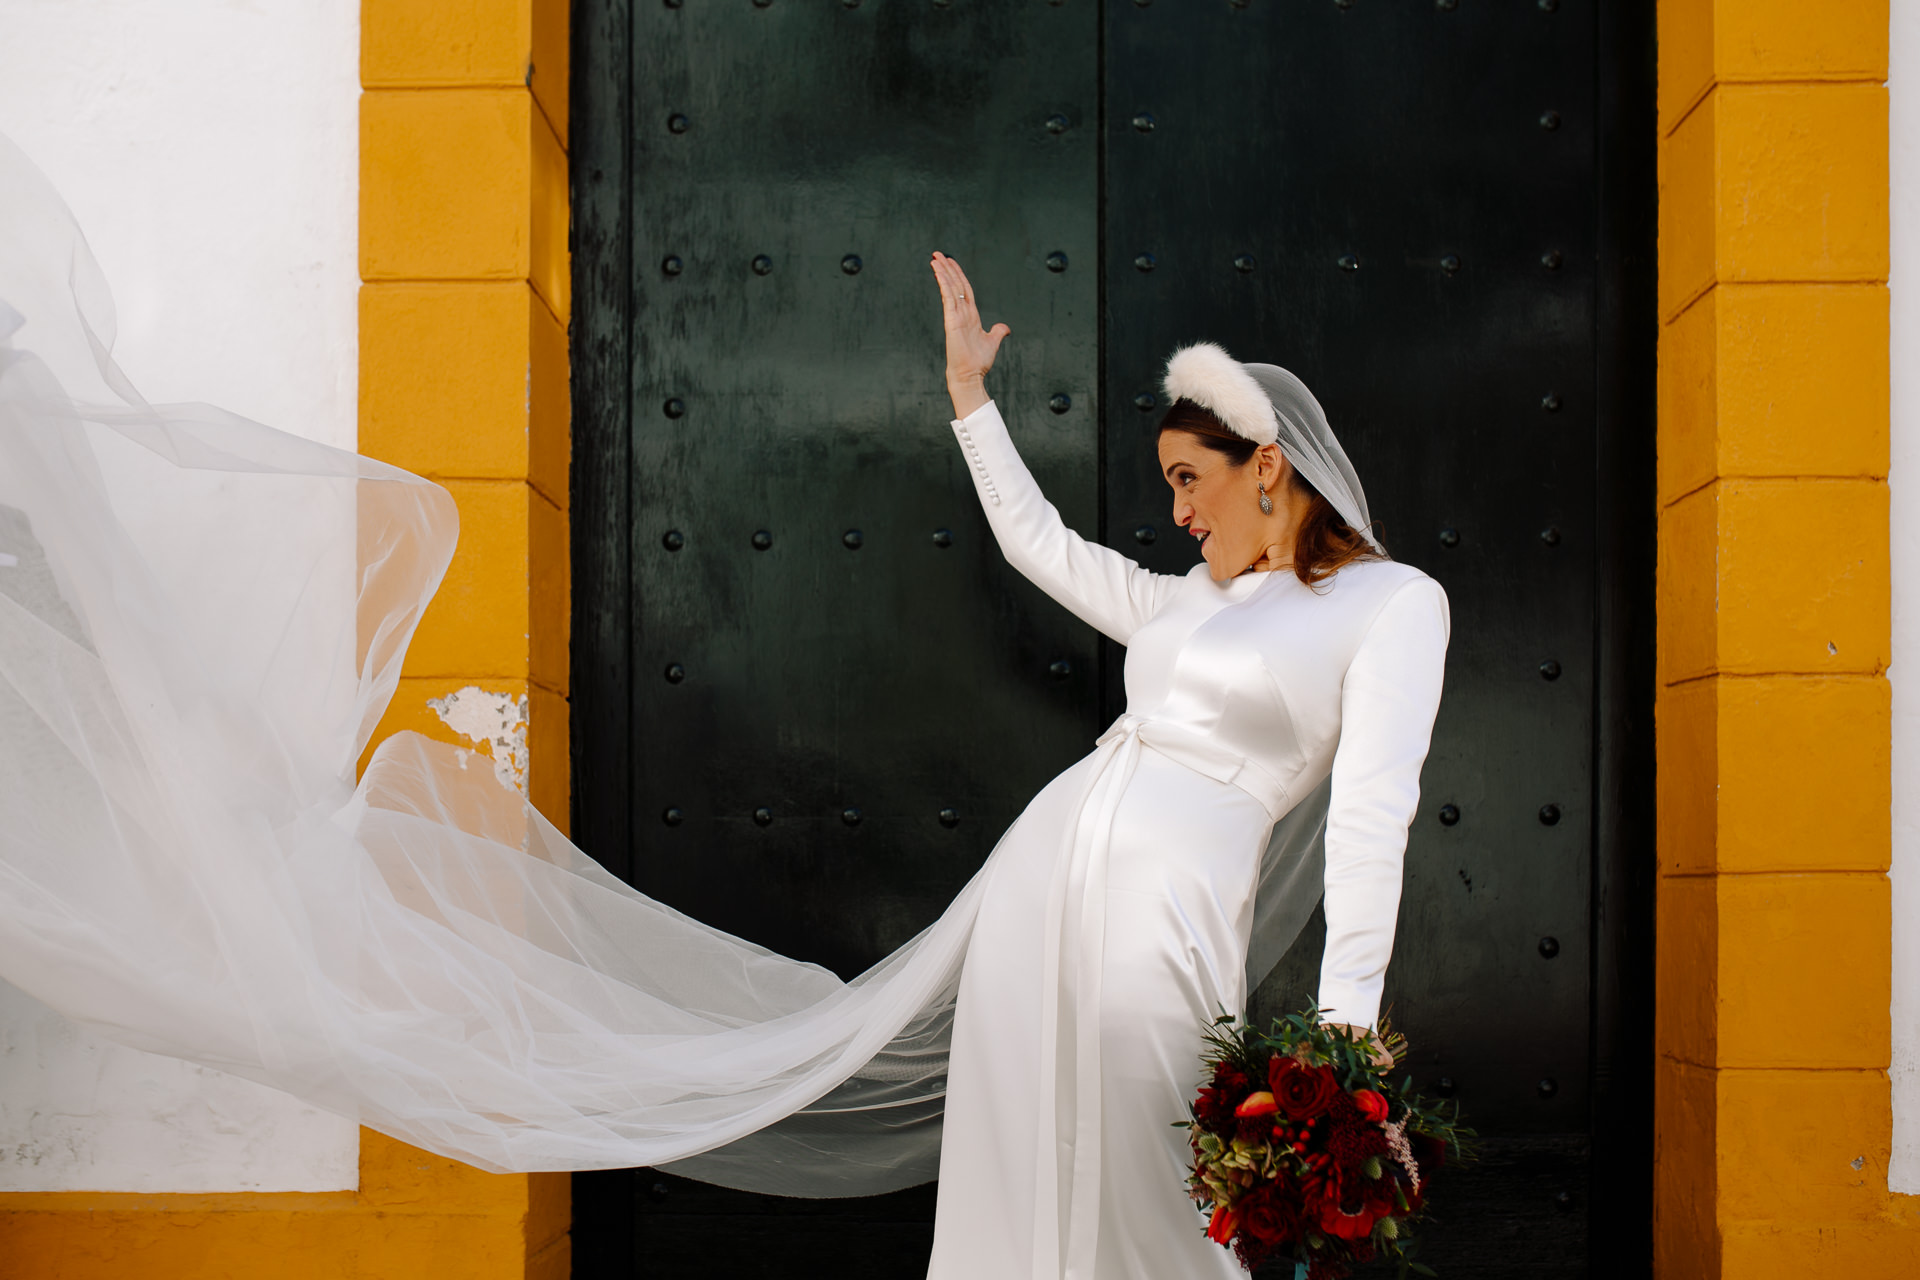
(550, 406)
(1796, 1248)
(549, 741)
(553, 1261)
(415, 43)
(246, 1242)
(552, 61)
(1688, 179)
(1702, 41)
(394, 1175)
(1805, 773)
(1802, 380)
(1774, 183)
(1794, 40)
(549, 589)
(1774, 379)
(478, 624)
(1689, 405)
(547, 732)
(1685, 1181)
(410, 709)
(465, 380)
(1803, 182)
(1685, 620)
(1684, 38)
(1687, 776)
(1802, 579)
(415, 1214)
(1806, 950)
(551, 213)
(1766, 576)
(444, 377)
(1802, 1148)
(1686, 969)
(549, 1209)
(1774, 773)
(446, 185)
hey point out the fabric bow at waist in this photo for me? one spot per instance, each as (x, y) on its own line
(1202, 754)
(1068, 1209)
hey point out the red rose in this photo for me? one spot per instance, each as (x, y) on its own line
(1302, 1092)
(1372, 1105)
(1270, 1217)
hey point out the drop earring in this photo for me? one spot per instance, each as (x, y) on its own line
(1266, 503)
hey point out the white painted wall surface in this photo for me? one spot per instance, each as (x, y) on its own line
(209, 149)
(1903, 83)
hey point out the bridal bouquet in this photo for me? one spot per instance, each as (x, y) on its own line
(1304, 1151)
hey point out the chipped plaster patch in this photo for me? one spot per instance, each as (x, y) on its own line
(498, 720)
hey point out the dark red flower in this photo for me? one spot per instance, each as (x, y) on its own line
(1271, 1216)
(1254, 1128)
(1351, 1137)
(1429, 1152)
(1302, 1092)
(1214, 1108)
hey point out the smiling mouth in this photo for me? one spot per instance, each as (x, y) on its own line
(1201, 534)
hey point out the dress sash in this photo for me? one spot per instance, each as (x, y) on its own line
(1073, 964)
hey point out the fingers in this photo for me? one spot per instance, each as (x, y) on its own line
(955, 289)
(966, 285)
(948, 305)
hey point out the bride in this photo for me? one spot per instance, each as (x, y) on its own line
(202, 619)
(1295, 665)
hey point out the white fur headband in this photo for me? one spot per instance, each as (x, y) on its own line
(1205, 374)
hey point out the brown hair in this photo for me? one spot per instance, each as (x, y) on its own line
(1326, 543)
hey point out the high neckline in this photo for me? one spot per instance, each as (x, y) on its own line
(1242, 585)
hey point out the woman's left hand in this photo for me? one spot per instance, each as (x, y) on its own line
(1381, 1058)
(970, 349)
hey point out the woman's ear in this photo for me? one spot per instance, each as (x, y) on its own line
(1273, 468)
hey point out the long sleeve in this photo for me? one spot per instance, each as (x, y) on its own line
(1387, 706)
(1099, 585)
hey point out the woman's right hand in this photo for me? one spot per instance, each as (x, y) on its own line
(970, 349)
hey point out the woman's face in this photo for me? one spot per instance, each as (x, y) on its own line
(1219, 503)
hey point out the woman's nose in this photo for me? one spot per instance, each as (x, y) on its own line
(1182, 512)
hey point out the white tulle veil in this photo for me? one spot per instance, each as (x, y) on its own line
(187, 865)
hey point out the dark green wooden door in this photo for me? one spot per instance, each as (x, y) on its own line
(798, 654)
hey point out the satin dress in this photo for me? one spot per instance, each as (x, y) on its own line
(1114, 924)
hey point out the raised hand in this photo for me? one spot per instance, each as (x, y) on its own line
(970, 349)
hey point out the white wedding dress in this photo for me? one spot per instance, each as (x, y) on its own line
(202, 620)
(1117, 911)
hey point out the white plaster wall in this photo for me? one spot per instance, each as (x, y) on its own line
(1903, 82)
(209, 149)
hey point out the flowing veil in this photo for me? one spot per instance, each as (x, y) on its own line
(201, 622)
